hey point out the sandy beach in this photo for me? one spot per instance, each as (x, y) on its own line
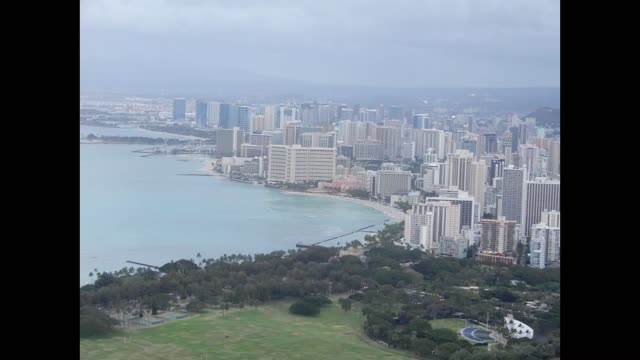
(394, 213)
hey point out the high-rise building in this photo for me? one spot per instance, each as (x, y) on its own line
(428, 138)
(470, 143)
(545, 245)
(496, 169)
(228, 116)
(347, 150)
(409, 151)
(476, 182)
(315, 113)
(346, 114)
(368, 115)
(367, 179)
(179, 109)
(490, 143)
(458, 167)
(529, 158)
(276, 136)
(256, 123)
(297, 164)
(368, 150)
(498, 235)
(421, 121)
(524, 133)
(430, 156)
(513, 181)
(539, 195)
(464, 202)
(471, 125)
(213, 114)
(318, 139)
(283, 115)
(201, 113)
(270, 117)
(449, 144)
(243, 117)
(430, 173)
(228, 141)
(515, 138)
(291, 134)
(393, 182)
(550, 218)
(553, 162)
(391, 138)
(396, 113)
(381, 113)
(429, 222)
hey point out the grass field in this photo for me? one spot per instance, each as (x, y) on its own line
(452, 324)
(268, 332)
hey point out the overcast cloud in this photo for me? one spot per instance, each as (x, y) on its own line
(400, 43)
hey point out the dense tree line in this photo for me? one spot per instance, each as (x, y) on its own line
(359, 193)
(399, 291)
(94, 322)
(310, 305)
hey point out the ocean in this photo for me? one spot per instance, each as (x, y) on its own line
(140, 209)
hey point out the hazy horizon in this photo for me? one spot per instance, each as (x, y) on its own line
(281, 46)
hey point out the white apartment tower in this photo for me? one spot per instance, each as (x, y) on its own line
(458, 167)
(428, 138)
(270, 116)
(318, 139)
(213, 114)
(427, 223)
(477, 179)
(550, 218)
(540, 195)
(297, 164)
(545, 245)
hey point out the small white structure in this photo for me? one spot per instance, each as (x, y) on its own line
(517, 329)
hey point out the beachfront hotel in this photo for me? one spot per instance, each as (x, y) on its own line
(297, 164)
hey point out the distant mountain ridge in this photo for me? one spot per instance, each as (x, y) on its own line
(546, 116)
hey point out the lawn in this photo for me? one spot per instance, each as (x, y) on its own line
(454, 325)
(268, 332)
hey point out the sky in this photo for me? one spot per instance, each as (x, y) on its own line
(401, 43)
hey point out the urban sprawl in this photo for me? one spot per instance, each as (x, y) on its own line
(471, 184)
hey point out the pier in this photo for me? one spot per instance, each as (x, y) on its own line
(147, 265)
(300, 245)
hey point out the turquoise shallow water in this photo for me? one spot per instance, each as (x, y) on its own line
(137, 208)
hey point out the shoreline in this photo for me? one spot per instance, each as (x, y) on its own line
(393, 213)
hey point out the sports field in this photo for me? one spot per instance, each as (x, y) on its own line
(472, 333)
(452, 324)
(268, 332)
